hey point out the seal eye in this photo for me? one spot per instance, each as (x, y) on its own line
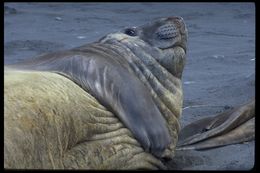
(130, 32)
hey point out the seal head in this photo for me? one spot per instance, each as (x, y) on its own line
(163, 34)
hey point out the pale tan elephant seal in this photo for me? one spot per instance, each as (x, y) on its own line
(135, 73)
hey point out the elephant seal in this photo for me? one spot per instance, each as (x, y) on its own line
(230, 127)
(135, 73)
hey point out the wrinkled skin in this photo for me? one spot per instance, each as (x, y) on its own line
(52, 123)
(113, 104)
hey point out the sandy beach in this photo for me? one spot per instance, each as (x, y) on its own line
(219, 72)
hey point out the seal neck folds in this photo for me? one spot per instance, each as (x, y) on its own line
(156, 54)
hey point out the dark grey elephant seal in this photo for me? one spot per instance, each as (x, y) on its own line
(230, 127)
(135, 73)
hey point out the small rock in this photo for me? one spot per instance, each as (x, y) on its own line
(188, 82)
(218, 56)
(81, 37)
(226, 107)
(58, 18)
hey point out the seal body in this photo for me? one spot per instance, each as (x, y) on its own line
(127, 72)
(50, 122)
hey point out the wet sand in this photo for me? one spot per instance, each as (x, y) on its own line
(220, 69)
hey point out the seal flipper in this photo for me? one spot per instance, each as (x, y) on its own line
(244, 132)
(115, 87)
(226, 128)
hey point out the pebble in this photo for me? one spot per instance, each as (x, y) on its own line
(81, 37)
(58, 18)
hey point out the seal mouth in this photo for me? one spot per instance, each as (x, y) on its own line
(179, 44)
(178, 38)
(182, 42)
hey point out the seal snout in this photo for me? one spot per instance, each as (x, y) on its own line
(166, 32)
(178, 22)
